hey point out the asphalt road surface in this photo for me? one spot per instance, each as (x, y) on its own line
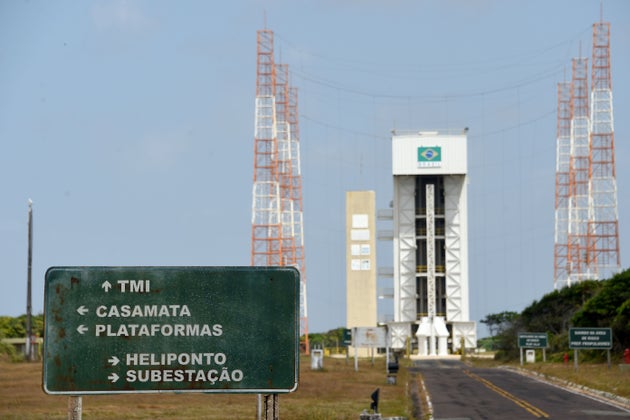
(459, 392)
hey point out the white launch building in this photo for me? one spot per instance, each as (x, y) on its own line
(430, 239)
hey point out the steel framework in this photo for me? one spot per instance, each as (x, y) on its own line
(579, 176)
(563, 155)
(603, 229)
(587, 231)
(277, 222)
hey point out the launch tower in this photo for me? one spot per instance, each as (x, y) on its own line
(431, 239)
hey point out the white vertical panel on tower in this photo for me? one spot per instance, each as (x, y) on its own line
(455, 243)
(404, 249)
(466, 330)
(397, 334)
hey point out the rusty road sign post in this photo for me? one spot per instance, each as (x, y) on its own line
(116, 330)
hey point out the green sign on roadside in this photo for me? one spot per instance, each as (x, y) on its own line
(347, 337)
(171, 329)
(590, 338)
(532, 340)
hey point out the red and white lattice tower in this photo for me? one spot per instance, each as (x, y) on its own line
(579, 176)
(266, 225)
(592, 227)
(298, 220)
(603, 228)
(277, 223)
(563, 155)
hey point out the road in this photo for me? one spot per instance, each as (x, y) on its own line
(459, 392)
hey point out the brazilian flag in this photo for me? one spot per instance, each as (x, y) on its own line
(429, 154)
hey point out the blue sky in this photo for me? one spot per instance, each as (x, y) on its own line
(130, 125)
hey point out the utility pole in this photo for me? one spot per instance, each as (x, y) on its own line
(29, 324)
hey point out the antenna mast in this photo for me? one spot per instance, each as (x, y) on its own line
(587, 228)
(603, 229)
(563, 156)
(277, 222)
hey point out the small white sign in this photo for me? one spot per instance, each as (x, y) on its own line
(360, 234)
(360, 221)
(369, 337)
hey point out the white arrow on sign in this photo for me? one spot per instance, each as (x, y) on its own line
(82, 329)
(113, 377)
(106, 286)
(113, 360)
(82, 310)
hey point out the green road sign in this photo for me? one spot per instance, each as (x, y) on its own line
(180, 329)
(590, 338)
(532, 340)
(347, 337)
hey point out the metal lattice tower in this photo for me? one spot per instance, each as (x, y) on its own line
(579, 175)
(277, 223)
(563, 155)
(266, 226)
(603, 229)
(591, 249)
(297, 202)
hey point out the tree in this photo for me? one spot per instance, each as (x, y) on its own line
(332, 338)
(11, 327)
(499, 324)
(609, 308)
(554, 311)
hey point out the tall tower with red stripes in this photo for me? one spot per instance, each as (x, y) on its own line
(563, 157)
(277, 222)
(587, 232)
(603, 227)
(579, 166)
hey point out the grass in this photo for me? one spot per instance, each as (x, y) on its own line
(336, 392)
(594, 376)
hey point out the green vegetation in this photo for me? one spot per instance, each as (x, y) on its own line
(330, 339)
(11, 327)
(590, 303)
(335, 392)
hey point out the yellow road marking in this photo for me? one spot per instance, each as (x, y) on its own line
(537, 412)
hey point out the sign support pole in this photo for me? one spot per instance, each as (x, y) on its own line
(575, 359)
(272, 407)
(29, 323)
(258, 406)
(75, 408)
